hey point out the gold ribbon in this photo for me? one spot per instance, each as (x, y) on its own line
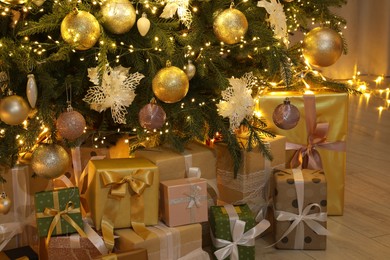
(111, 256)
(57, 215)
(138, 181)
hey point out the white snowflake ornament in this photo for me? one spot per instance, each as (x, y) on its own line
(277, 18)
(182, 9)
(116, 91)
(237, 102)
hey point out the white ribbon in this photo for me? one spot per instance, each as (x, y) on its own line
(237, 227)
(170, 241)
(303, 216)
(8, 231)
(194, 197)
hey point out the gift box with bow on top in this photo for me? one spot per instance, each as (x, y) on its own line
(233, 231)
(300, 209)
(319, 139)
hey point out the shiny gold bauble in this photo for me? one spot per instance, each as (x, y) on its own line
(322, 46)
(170, 84)
(118, 16)
(80, 29)
(230, 26)
(5, 204)
(14, 110)
(14, 2)
(50, 161)
(70, 125)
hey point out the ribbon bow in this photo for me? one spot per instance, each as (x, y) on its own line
(194, 197)
(307, 155)
(57, 214)
(137, 180)
(229, 248)
(303, 215)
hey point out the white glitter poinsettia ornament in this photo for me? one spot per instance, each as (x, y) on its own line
(182, 9)
(116, 91)
(237, 102)
(277, 18)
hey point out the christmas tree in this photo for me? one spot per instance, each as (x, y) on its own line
(162, 71)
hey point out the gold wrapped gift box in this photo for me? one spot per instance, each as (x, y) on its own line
(331, 108)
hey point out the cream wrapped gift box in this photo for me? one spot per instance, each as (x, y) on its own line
(321, 131)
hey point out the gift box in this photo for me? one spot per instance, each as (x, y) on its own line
(173, 165)
(251, 186)
(136, 254)
(58, 212)
(16, 228)
(322, 129)
(233, 230)
(122, 192)
(163, 243)
(21, 253)
(183, 201)
(300, 209)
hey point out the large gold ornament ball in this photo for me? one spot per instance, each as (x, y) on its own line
(170, 84)
(14, 110)
(230, 26)
(80, 29)
(5, 204)
(70, 125)
(50, 161)
(322, 46)
(14, 2)
(118, 16)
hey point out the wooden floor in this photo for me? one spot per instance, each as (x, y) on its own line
(363, 232)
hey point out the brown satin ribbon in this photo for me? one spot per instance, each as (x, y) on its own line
(138, 181)
(57, 215)
(307, 155)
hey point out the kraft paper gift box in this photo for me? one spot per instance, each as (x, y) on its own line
(173, 165)
(58, 212)
(183, 201)
(330, 110)
(163, 243)
(17, 226)
(251, 186)
(111, 193)
(136, 254)
(233, 231)
(300, 199)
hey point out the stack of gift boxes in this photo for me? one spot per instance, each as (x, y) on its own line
(162, 204)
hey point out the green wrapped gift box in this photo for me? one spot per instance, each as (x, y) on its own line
(220, 227)
(60, 207)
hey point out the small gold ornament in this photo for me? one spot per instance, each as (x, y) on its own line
(13, 110)
(190, 70)
(81, 29)
(38, 2)
(5, 204)
(118, 16)
(50, 161)
(31, 90)
(322, 46)
(143, 25)
(170, 84)
(230, 26)
(14, 2)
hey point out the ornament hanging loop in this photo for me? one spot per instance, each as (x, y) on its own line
(68, 90)
(168, 63)
(232, 4)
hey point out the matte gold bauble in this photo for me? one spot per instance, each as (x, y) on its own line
(14, 2)
(13, 110)
(5, 204)
(230, 26)
(170, 84)
(322, 46)
(118, 16)
(80, 29)
(50, 161)
(152, 116)
(70, 124)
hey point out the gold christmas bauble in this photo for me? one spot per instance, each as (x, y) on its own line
(81, 29)
(322, 46)
(230, 26)
(14, 2)
(50, 161)
(14, 110)
(118, 16)
(170, 84)
(70, 125)
(5, 204)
